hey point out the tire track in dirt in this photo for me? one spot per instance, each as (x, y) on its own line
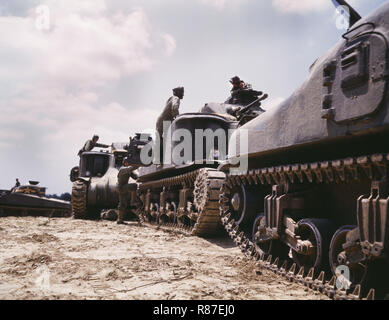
(62, 258)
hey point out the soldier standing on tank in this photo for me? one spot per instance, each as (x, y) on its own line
(125, 189)
(90, 144)
(17, 184)
(170, 112)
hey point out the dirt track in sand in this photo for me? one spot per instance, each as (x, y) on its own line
(62, 258)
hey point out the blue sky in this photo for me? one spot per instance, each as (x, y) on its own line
(108, 67)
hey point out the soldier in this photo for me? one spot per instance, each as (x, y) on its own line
(90, 144)
(242, 93)
(170, 112)
(125, 189)
(17, 184)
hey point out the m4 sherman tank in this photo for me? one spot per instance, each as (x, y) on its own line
(184, 190)
(316, 185)
(31, 199)
(95, 181)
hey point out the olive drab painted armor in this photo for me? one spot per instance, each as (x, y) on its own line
(31, 199)
(318, 165)
(95, 181)
(315, 192)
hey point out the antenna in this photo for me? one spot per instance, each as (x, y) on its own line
(354, 15)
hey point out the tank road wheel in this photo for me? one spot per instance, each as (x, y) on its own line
(163, 217)
(168, 214)
(171, 212)
(318, 232)
(79, 200)
(367, 273)
(338, 257)
(271, 247)
(154, 212)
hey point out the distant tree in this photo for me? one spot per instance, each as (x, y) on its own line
(66, 196)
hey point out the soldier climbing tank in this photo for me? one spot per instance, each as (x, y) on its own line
(95, 182)
(316, 187)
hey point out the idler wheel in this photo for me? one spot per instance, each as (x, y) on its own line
(244, 206)
(271, 247)
(338, 256)
(316, 235)
(174, 207)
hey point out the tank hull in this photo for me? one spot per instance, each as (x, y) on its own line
(95, 188)
(316, 184)
(21, 203)
(345, 96)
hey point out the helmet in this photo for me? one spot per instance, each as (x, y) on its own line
(178, 91)
(235, 80)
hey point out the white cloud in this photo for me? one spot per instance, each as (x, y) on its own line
(221, 4)
(300, 6)
(170, 44)
(82, 49)
(56, 81)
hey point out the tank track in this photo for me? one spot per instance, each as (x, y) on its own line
(204, 212)
(79, 201)
(318, 172)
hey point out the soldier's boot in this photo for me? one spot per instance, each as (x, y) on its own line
(120, 219)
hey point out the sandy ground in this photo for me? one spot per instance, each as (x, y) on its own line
(62, 258)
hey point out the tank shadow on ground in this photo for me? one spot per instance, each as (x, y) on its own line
(222, 241)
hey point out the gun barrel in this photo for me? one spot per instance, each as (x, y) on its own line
(265, 96)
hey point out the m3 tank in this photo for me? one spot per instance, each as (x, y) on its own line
(316, 187)
(31, 200)
(184, 189)
(95, 182)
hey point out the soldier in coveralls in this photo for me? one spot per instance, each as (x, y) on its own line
(125, 189)
(17, 184)
(170, 112)
(242, 93)
(90, 144)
